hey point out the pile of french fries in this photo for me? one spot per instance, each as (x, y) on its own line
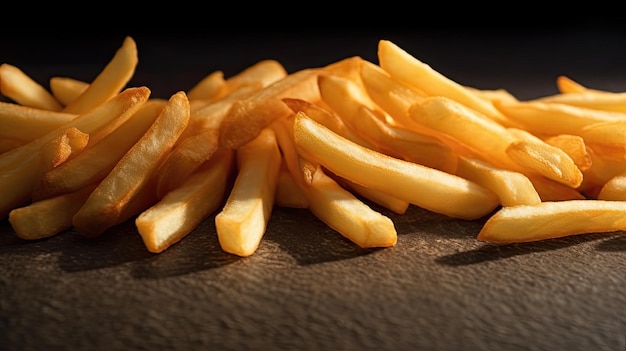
(87, 156)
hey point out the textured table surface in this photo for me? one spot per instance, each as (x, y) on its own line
(308, 288)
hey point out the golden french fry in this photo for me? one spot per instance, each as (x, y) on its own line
(207, 88)
(614, 189)
(493, 95)
(21, 88)
(288, 193)
(590, 99)
(553, 219)
(574, 146)
(66, 89)
(48, 217)
(543, 118)
(513, 188)
(393, 96)
(59, 149)
(399, 206)
(567, 85)
(8, 144)
(549, 190)
(134, 170)
(264, 72)
(604, 166)
(184, 208)
(243, 220)
(611, 134)
(21, 168)
(408, 69)
(24, 123)
(110, 81)
(532, 153)
(348, 215)
(423, 186)
(98, 159)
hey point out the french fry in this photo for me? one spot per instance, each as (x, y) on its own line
(59, 149)
(549, 190)
(107, 202)
(614, 189)
(21, 168)
(243, 220)
(110, 81)
(543, 118)
(574, 146)
(423, 186)
(66, 89)
(48, 217)
(408, 69)
(611, 134)
(96, 161)
(208, 88)
(615, 102)
(553, 219)
(21, 88)
(8, 144)
(288, 192)
(264, 72)
(24, 123)
(349, 216)
(513, 188)
(184, 208)
(567, 85)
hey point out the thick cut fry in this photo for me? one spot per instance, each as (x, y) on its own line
(264, 72)
(346, 214)
(134, 170)
(590, 99)
(66, 89)
(408, 69)
(549, 220)
(242, 222)
(423, 186)
(21, 88)
(614, 189)
(96, 161)
(21, 168)
(574, 146)
(288, 192)
(611, 134)
(549, 190)
(45, 218)
(110, 81)
(183, 209)
(59, 149)
(538, 156)
(513, 188)
(541, 118)
(25, 123)
(208, 88)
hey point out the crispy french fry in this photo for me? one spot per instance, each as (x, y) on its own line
(346, 214)
(288, 193)
(513, 188)
(110, 81)
(408, 69)
(264, 72)
(566, 85)
(549, 190)
(97, 160)
(21, 168)
(184, 208)
(66, 89)
(208, 88)
(24, 123)
(543, 118)
(611, 134)
(59, 149)
(243, 220)
(423, 186)
(48, 217)
(614, 189)
(21, 88)
(104, 206)
(553, 219)
(574, 146)
(615, 102)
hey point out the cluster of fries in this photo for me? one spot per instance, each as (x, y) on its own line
(91, 155)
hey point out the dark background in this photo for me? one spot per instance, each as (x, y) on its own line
(307, 288)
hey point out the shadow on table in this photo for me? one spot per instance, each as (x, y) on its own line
(491, 252)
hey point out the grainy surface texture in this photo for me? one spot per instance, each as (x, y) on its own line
(308, 288)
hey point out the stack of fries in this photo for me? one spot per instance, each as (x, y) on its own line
(88, 156)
